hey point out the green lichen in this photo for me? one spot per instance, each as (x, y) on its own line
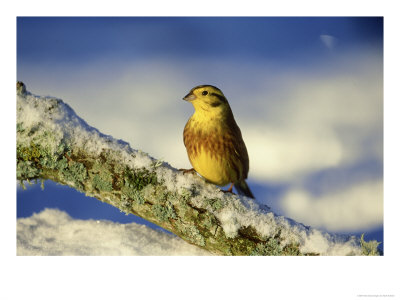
(138, 198)
(132, 194)
(164, 212)
(56, 163)
(186, 194)
(102, 177)
(369, 248)
(27, 170)
(35, 160)
(134, 181)
(273, 247)
(270, 247)
(207, 220)
(75, 172)
(20, 128)
(22, 185)
(293, 249)
(54, 160)
(101, 184)
(31, 153)
(63, 149)
(138, 179)
(214, 203)
(193, 235)
(240, 246)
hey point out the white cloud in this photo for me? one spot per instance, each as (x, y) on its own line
(359, 207)
(329, 41)
(284, 154)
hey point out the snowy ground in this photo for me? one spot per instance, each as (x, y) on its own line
(53, 232)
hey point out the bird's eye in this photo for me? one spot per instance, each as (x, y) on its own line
(204, 93)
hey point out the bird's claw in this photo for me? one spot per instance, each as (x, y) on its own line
(229, 190)
(191, 171)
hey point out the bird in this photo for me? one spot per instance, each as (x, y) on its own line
(214, 142)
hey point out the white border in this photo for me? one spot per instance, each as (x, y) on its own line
(188, 277)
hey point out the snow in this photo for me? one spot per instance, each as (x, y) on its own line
(244, 212)
(54, 232)
(46, 114)
(41, 115)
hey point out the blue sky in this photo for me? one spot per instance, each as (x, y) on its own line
(306, 92)
(77, 40)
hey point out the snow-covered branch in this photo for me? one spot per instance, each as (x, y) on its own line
(54, 143)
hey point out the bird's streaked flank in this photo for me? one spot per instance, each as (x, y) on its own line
(214, 142)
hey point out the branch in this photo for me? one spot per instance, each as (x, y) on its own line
(54, 143)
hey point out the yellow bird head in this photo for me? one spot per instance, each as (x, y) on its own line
(208, 98)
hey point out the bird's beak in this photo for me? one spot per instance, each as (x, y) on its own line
(189, 97)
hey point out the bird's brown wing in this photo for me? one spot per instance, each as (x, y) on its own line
(238, 156)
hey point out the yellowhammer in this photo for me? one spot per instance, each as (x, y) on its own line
(214, 142)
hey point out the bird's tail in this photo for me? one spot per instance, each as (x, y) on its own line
(243, 189)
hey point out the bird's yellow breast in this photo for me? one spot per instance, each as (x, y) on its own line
(209, 152)
(211, 167)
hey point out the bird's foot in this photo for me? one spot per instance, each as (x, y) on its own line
(229, 190)
(191, 171)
